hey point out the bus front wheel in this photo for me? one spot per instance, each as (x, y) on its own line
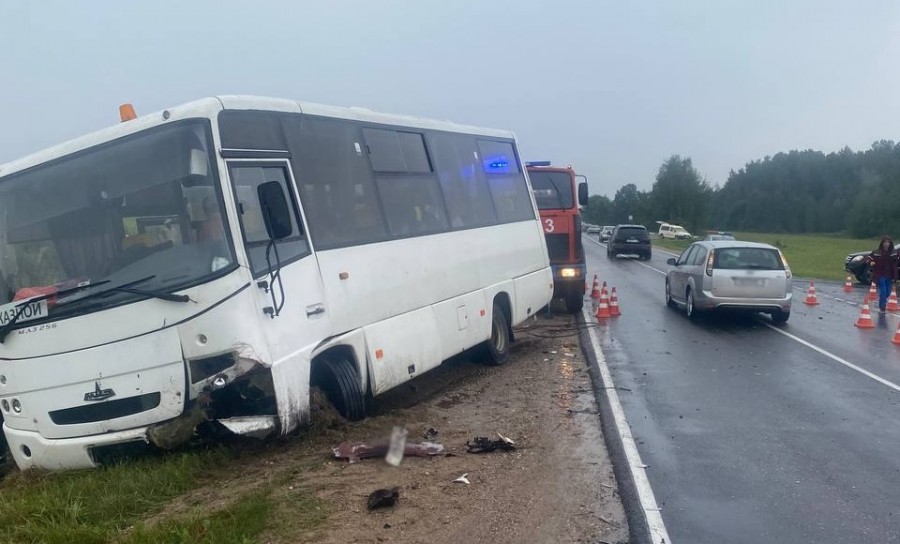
(497, 348)
(337, 378)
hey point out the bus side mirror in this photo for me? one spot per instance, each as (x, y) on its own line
(275, 212)
(583, 193)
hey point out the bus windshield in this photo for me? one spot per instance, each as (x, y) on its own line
(552, 190)
(144, 206)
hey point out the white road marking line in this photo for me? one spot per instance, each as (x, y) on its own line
(834, 357)
(658, 533)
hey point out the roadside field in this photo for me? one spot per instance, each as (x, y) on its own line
(810, 256)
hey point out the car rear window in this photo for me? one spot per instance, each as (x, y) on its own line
(747, 258)
(632, 232)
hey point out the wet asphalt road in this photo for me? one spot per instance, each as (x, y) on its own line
(750, 435)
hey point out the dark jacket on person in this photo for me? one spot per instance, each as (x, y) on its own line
(885, 262)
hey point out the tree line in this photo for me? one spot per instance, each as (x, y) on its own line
(857, 193)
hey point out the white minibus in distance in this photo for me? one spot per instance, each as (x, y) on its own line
(213, 261)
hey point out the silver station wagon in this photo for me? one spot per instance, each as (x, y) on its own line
(730, 275)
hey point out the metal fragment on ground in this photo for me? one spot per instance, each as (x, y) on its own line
(482, 444)
(462, 479)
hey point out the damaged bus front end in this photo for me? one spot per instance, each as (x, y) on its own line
(127, 317)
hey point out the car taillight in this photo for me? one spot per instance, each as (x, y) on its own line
(787, 268)
(709, 261)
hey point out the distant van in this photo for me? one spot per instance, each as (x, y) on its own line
(673, 231)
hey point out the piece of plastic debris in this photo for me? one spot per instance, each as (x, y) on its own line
(507, 440)
(353, 452)
(553, 352)
(482, 444)
(383, 498)
(431, 433)
(462, 479)
(395, 450)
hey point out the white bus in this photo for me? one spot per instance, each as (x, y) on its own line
(210, 262)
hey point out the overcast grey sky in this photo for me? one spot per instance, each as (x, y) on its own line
(612, 88)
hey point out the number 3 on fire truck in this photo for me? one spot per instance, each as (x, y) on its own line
(548, 225)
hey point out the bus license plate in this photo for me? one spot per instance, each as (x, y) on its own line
(32, 311)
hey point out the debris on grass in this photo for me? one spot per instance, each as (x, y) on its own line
(383, 498)
(482, 444)
(354, 451)
(464, 479)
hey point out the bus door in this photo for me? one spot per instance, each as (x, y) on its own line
(288, 285)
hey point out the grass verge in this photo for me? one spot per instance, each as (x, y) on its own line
(239, 523)
(126, 503)
(92, 506)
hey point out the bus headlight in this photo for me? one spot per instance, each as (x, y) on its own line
(569, 272)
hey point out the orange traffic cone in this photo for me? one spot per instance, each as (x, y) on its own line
(614, 304)
(603, 289)
(811, 299)
(892, 304)
(896, 338)
(848, 286)
(603, 308)
(873, 291)
(865, 318)
(595, 290)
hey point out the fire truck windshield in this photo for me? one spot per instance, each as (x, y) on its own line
(552, 190)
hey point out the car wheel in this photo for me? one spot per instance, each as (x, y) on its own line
(689, 308)
(780, 316)
(868, 276)
(497, 348)
(337, 378)
(669, 302)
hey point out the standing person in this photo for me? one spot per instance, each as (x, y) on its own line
(884, 269)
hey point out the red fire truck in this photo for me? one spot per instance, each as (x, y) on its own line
(555, 193)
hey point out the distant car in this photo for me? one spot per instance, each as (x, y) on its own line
(629, 240)
(730, 275)
(718, 237)
(676, 232)
(860, 266)
(606, 232)
(593, 229)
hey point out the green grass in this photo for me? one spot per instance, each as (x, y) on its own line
(239, 523)
(92, 506)
(809, 255)
(111, 504)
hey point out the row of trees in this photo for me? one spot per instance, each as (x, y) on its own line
(793, 192)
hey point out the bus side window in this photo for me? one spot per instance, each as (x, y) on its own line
(507, 184)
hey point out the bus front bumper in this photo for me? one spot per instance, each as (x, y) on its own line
(31, 450)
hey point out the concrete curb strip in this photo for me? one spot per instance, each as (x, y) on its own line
(644, 517)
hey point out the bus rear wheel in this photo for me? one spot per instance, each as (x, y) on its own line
(496, 350)
(337, 378)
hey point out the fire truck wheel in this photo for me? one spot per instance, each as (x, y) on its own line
(574, 302)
